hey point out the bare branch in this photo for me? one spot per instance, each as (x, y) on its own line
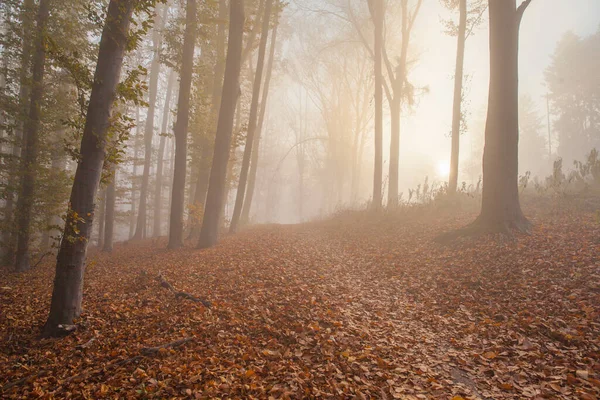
(521, 10)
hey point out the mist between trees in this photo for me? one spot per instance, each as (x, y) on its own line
(135, 119)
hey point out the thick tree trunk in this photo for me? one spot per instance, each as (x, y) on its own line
(156, 232)
(31, 141)
(215, 197)
(239, 200)
(181, 126)
(109, 213)
(261, 120)
(136, 150)
(500, 207)
(70, 267)
(378, 50)
(456, 110)
(140, 229)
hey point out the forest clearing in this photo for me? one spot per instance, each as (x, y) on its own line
(352, 307)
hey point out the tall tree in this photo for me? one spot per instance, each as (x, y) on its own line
(207, 147)
(458, 80)
(261, 119)
(140, 229)
(215, 197)
(470, 16)
(377, 12)
(156, 232)
(70, 262)
(239, 200)
(31, 141)
(500, 207)
(136, 150)
(181, 126)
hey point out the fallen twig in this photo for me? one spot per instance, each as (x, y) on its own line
(166, 284)
(153, 350)
(86, 344)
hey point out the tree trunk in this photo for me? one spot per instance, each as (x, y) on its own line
(109, 212)
(456, 110)
(136, 149)
(215, 197)
(101, 218)
(181, 126)
(9, 234)
(394, 151)
(261, 119)
(239, 200)
(68, 281)
(378, 49)
(31, 136)
(57, 167)
(156, 232)
(500, 207)
(207, 147)
(140, 229)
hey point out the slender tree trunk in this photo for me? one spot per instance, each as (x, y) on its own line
(181, 126)
(136, 150)
(395, 109)
(500, 207)
(31, 136)
(160, 158)
(101, 218)
(207, 147)
(57, 167)
(215, 197)
(378, 49)
(70, 267)
(263, 108)
(140, 229)
(239, 200)
(456, 110)
(109, 213)
(10, 233)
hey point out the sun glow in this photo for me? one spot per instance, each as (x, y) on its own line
(443, 169)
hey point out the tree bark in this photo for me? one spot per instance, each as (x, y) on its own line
(156, 232)
(239, 200)
(101, 218)
(215, 197)
(136, 150)
(261, 119)
(109, 213)
(207, 147)
(500, 207)
(378, 48)
(181, 126)
(140, 229)
(456, 110)
(31, 137)
(68, 282)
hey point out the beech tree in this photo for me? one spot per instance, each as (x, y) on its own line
(140, 229)
(70, 264)
(258, 75)
(31, 142)
(181, 127)
(377, 12)
(231, 91)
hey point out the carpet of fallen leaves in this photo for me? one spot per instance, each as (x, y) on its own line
(354, 307)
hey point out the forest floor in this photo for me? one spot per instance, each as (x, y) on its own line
(354, 307)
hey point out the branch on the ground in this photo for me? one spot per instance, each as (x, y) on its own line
(147, 351)
(86, 344)
(179, 294)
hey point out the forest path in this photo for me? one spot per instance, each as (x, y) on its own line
(356, 306)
